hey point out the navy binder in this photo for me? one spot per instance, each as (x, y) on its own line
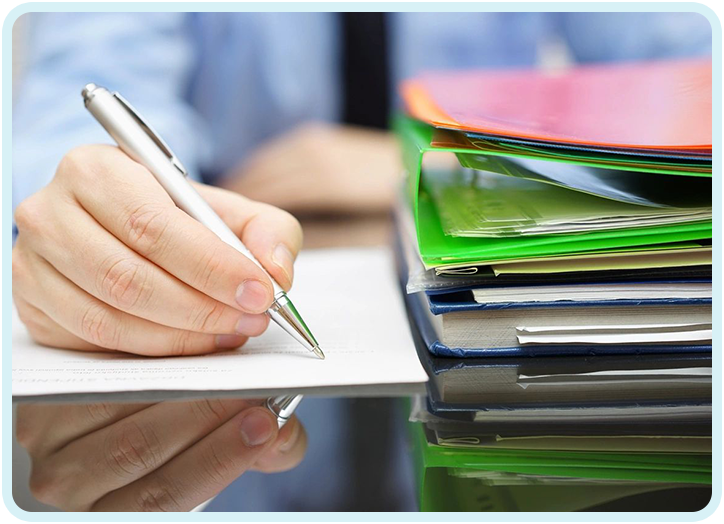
(463, 301)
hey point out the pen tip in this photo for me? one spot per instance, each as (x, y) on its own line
(318, 352)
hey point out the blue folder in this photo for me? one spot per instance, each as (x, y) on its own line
(464, 412)
(436, 347)
(462, 301)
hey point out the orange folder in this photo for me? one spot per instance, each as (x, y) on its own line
(662, 105)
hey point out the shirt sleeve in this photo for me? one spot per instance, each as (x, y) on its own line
(148, 57)
(603, 37)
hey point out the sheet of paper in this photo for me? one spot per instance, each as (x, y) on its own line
(634, 260)
(619, 376)
(613, 443)
(350, 299)
(702, 336)
(489, 202)
(683, 372)
(639, 328)
(597, 414)
(634, 334)
(588, 292)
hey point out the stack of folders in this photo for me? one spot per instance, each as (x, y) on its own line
(554, 245)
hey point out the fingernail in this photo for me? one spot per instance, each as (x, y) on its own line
(291, 440)
(282, 257)
(253, 296)
(257, 427)
(251, 325)
(229, 341)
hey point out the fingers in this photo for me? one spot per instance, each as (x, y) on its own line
(106, 226)
(43, 429)
(44, 330)
(136, 210)
(103, 326)
(273, 235)
(201, 471)
(131, 448)
(287, 451)
(100, 264)
(164, 456)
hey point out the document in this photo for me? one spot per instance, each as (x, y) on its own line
(616, 373)
(349, 296)
(598, 414)
(492, 204)
(616, 334)
(653, 162)
(592, 292)
(669, 378)
(609, 443)
(687, 257)
(631, 187)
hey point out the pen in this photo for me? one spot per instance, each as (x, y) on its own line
(140, 142)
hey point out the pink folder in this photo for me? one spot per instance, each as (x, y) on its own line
(662, 105)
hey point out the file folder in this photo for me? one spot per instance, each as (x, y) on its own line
(437, 249)
(554, 385)
(659, 105)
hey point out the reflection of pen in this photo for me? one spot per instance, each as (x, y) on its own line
(136, 138)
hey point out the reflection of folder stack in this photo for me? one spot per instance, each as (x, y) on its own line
(555, 247)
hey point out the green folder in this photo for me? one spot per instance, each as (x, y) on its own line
(437, 249)
(474, 203)
(445, 491)
(439, 473)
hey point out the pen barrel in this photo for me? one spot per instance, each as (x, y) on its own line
(139, 142)
(283, 407)
(136, 142)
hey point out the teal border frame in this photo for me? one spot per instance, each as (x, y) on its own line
(357, 6)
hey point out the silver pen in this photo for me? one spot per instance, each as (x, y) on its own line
(138, 140)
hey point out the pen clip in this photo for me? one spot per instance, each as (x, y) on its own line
(163, 146)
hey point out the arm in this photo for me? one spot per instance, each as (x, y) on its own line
(105, 261)
(148, 57)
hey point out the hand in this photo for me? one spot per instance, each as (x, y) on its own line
(170, 456)
(105, 260)
(323, 169)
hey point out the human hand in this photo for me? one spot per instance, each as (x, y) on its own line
(323, 169)
(170, 456)
(105, 260)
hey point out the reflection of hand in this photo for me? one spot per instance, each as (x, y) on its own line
(170, 456)
(104, 259)
(323, 168)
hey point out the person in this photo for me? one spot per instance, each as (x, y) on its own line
(268, 106)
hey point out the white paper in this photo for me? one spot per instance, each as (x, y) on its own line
(588, 292)
(701, 336)
(642, 413)
(640, 328)
(349, 298)
(622, 376)
(683, 372)
(615, 334)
